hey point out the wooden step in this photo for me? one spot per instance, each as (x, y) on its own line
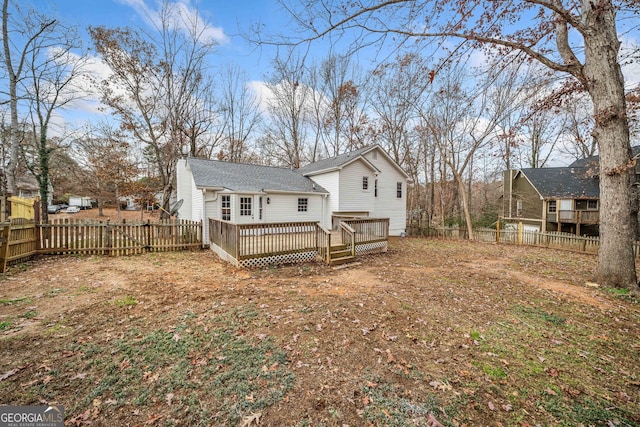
(342, 260)
(340, 253)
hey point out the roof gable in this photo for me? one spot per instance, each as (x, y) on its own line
(243, 177)
(338, 162)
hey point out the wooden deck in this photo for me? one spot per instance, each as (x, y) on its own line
(259, 245)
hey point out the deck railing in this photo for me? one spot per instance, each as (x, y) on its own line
(369, 230)
(323, 242)
(348, 237)
(289, 242)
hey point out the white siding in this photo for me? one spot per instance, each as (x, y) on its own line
(331, 182)
(184, 184)
(284, 208)
(387, 205)
(352, 196)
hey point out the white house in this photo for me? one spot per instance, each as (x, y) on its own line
(363, 183)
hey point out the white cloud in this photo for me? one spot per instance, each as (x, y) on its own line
(184, 17)
(630, 54)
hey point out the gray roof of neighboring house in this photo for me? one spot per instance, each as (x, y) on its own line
(565, 182)
(593, 161)
(251, 178)
(333, 162)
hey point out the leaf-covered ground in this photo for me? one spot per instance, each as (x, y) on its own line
(431, 333)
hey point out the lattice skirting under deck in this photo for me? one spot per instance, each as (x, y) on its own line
(367, 248)
(266, 261)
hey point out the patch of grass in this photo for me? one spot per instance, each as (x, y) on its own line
(5, 325)
(588, 411)
(30, 314)
(193, 362)
(495, 372)
(127, 301)
(53, 292)
(392, 405)
(15, 300)
(539, 314)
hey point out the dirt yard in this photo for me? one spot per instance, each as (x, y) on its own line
(431, 333)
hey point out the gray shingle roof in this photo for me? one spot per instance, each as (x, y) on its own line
(333, 162)
(565, 182)
(593, 161)
(251, 178)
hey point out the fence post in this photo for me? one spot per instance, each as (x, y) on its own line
(4, 246)
(498, 231)
(520, 228)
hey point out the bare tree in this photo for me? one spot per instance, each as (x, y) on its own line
(239, 114)
(22, 32)
(154, 83)
(53, 73)
(540, 29)
(288, 111)
(462, 123)
(109, 170)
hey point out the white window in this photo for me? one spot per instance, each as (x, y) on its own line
(365, 183)
(552, 206)
(519, 208)
(399, 190)
(245, 206)
(375, 188)
(592, 205)
(226, 208)
(303, 204)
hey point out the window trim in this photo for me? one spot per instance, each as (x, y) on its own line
(246, 206)
(365, 183)
(553, 203)
(398, 190)
(225, 211)
(303, 205)
(589, 208)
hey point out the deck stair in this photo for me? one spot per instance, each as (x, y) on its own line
(341, 254)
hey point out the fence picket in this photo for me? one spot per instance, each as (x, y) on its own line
(74, 236)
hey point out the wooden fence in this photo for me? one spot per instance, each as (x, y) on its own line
(519, 236)
(21, 239)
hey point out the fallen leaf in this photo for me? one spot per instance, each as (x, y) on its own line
(169, 398)
(491, 406)
(551, 392)
(153, 419)
(433, 422)
(390, 358)
(9, 374)
(248, 420)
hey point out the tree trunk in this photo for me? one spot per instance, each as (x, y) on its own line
(605, 83)
(14, 141)
(465, 203)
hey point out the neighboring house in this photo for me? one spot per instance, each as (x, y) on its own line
(556, 199)
(29, 188)
(363, 183)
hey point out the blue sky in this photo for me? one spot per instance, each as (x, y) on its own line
(228, 17)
